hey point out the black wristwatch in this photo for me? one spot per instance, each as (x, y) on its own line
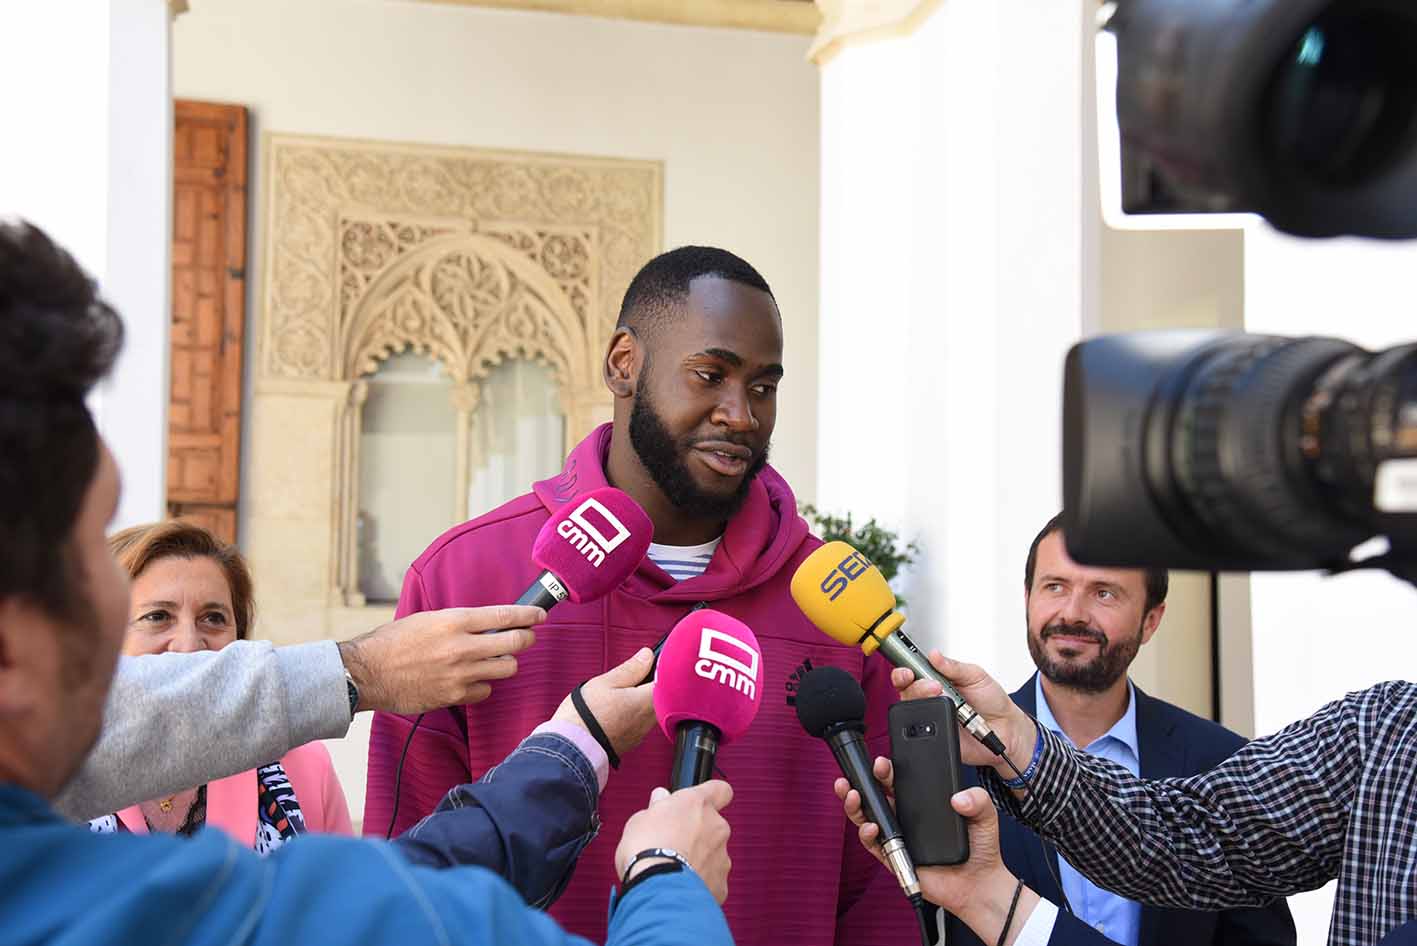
(353, 692)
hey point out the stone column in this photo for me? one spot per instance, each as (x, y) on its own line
(303, 478)
(465, 399)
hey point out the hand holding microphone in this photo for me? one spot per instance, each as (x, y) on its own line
(1014, 728)
(687, 822)
(622, 706)
(978, 891)
(433, 659)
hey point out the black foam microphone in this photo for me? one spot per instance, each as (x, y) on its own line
(832, 706)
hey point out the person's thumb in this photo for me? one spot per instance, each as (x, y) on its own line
(629, 673)
(659, 794)
(716, 792)
(975, 805)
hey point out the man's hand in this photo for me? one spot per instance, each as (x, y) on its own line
(687, 821)
(433, 659)
(1011, 724)
(978, 891)
(625, 711)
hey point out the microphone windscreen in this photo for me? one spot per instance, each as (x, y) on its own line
(593, 543)
(827, 696)
(845, 596)
(711, 670)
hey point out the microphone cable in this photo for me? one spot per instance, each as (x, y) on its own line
(398, 777)
(925, 913)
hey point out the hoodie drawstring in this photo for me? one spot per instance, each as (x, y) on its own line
(605, 634)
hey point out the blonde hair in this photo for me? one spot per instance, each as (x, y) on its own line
(137, 547)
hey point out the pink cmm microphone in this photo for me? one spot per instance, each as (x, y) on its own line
(591, 545)
(707, 688)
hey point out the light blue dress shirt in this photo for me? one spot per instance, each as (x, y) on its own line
(1117, 918)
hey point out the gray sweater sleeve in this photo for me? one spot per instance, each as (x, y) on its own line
(178, 720)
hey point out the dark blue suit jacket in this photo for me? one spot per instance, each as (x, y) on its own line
(1173, 744)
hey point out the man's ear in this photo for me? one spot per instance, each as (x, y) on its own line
(622, 363)
(18, 636)
(1151, 622)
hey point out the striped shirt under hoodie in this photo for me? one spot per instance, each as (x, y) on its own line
(682, 562)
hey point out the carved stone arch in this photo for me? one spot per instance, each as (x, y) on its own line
(468, 301)
(346, 226)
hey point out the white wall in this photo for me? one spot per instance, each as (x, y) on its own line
(956, 226)
(87, 158)
(138, 276)
(733, 115)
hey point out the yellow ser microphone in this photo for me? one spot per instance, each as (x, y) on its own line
(848, 599)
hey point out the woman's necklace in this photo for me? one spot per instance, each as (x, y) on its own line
(163, 819)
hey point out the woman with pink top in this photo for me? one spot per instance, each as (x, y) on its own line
(191, 592)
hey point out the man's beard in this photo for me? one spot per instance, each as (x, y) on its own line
(1095, 676)
(664, 459)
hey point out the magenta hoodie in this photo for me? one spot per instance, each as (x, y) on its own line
(799, 875)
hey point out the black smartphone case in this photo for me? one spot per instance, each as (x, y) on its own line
(925, 754)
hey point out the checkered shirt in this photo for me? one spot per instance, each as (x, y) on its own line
(1334, 795)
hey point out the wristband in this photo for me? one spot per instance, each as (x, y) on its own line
(1023, 780)
(676, 864)
(1009, 920)
(593, 726)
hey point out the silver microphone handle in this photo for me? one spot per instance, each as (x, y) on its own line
(901, 651)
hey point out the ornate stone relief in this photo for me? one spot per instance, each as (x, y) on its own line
(469, 257)
(467, 300)
(339, 213)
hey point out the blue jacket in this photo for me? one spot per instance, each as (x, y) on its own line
(525, 820)
(1174, 744)
(61, 884)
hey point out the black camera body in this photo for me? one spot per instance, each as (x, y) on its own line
(1227, 451)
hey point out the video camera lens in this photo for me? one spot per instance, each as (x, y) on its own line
(1228, 451)
(1341, 106)
(1303, 111)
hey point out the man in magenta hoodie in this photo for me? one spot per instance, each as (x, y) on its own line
(694, 366)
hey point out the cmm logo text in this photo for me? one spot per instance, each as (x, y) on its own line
(725, 659)
(588, 537)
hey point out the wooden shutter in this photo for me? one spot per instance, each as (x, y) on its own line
(208, 314)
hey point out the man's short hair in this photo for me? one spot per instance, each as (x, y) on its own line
(57, 339)
(664, 282)
(1158, 580)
